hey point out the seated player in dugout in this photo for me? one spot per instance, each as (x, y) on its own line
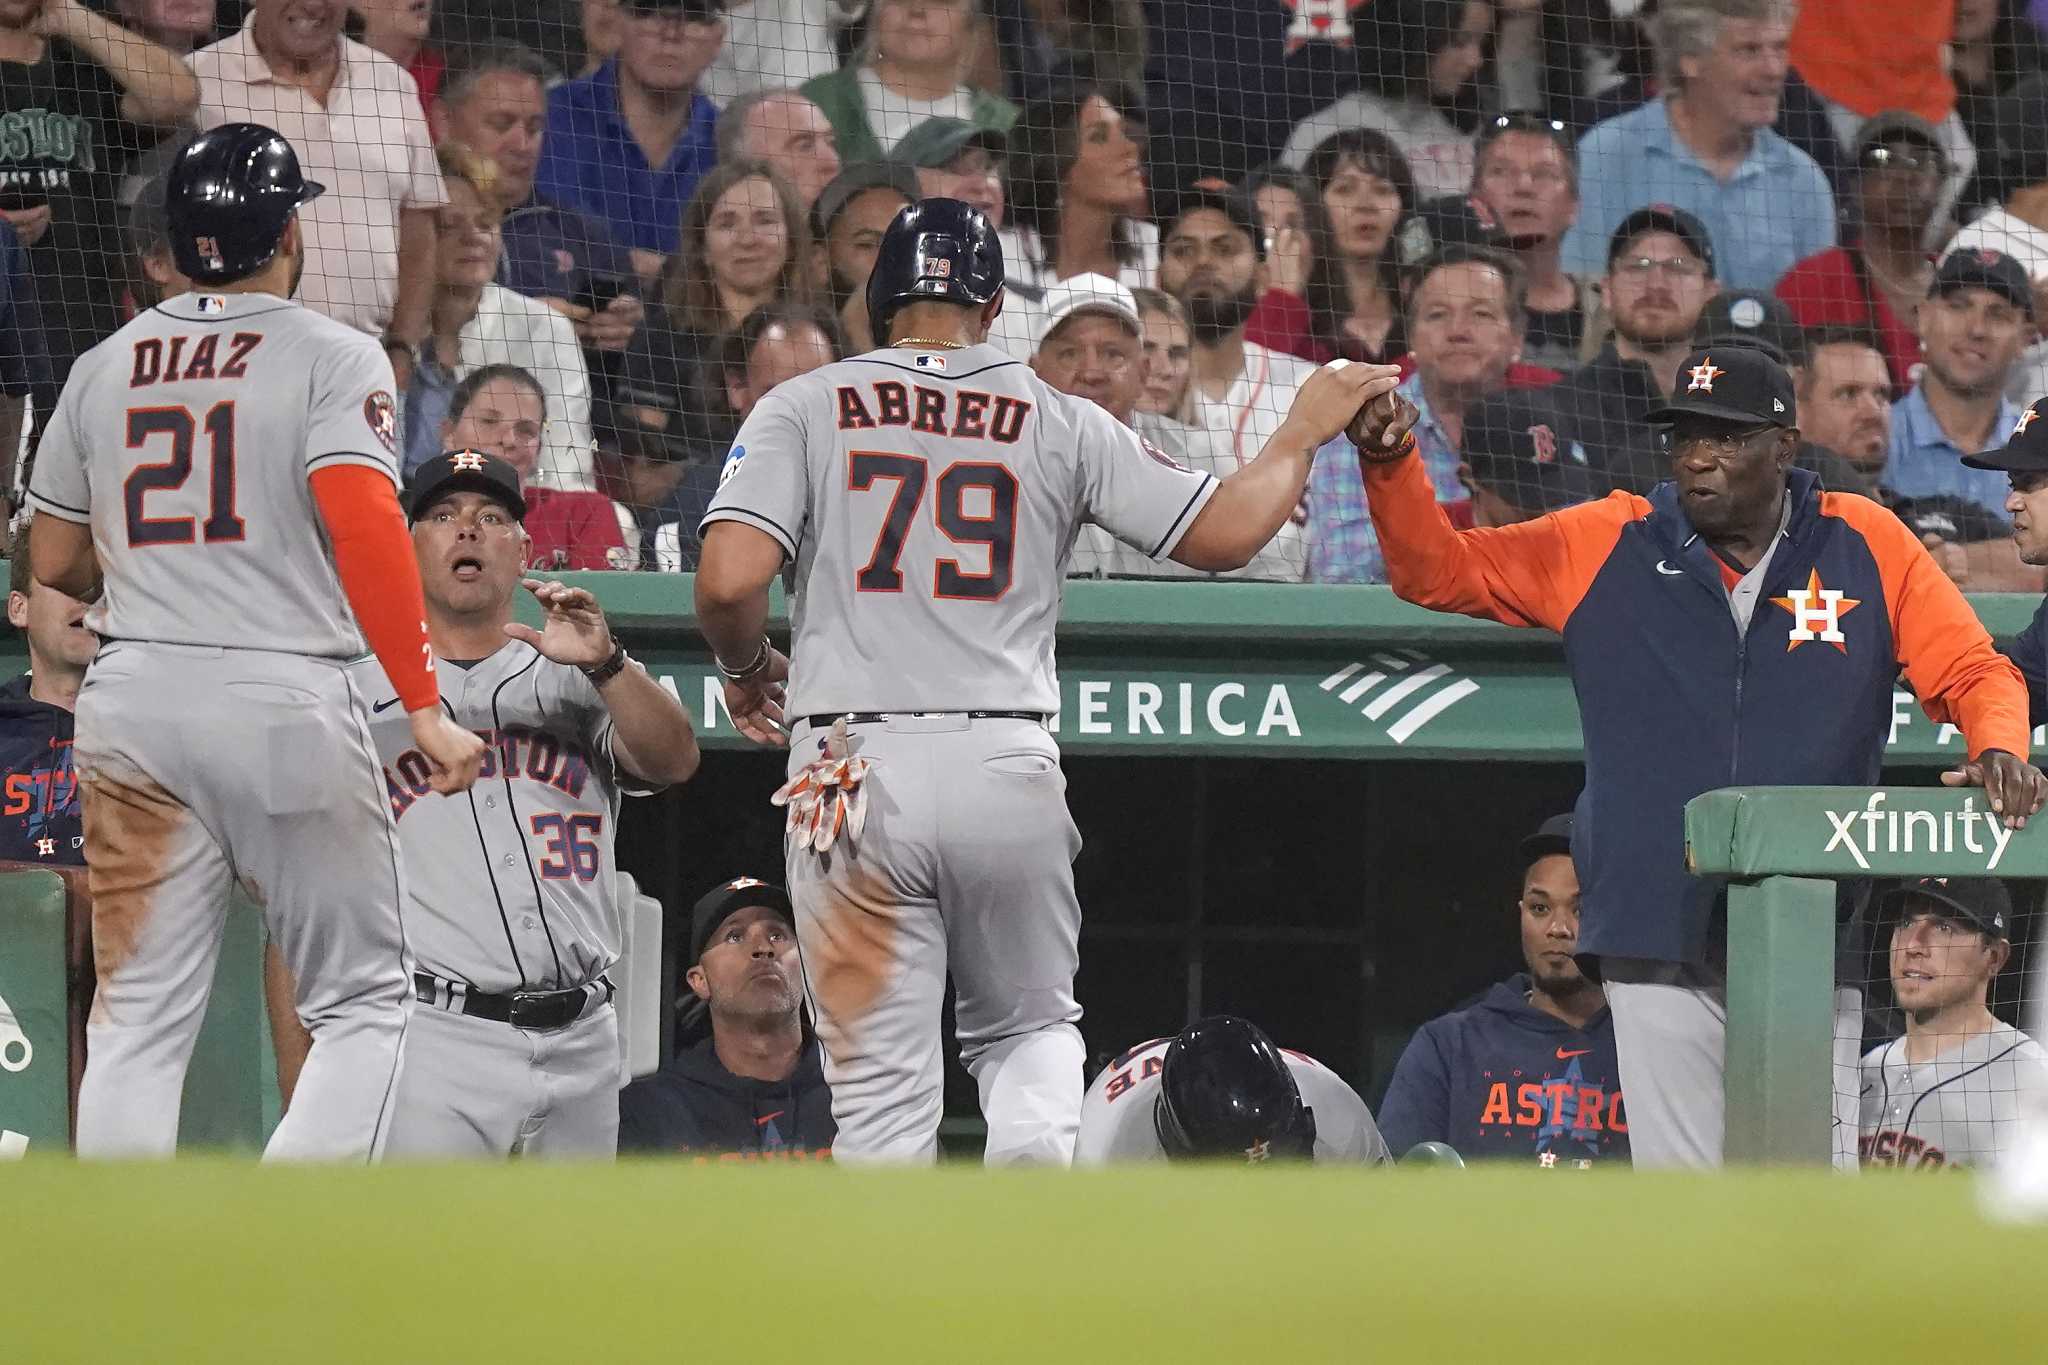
(1528, 1071)
(1831, 597)
(748, 1079)
(40, 819)
(1221, 1091)
(1954, 1090)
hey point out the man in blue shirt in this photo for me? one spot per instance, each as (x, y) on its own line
(1707, 147)
(629, 142)
(1527, 1072)
(1977, 319)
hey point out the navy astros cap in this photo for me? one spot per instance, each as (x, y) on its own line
(1552, 836)
(463, 471)
(1663, 218)
(724, 901)
(1981, 902)
(1983, 268)
(2025, 450)
(1731, 383)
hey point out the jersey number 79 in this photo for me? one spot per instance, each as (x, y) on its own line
(995, 528)
(144, 424)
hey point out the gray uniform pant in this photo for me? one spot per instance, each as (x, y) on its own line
(201, 767)
(478, 1088)
(965, 863)
(1671, 1040)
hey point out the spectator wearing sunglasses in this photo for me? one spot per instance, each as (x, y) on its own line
(1878, 281)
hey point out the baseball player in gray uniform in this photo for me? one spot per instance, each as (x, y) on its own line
(1220, 1089)
(1952, 1092)
(225, 467)
(928, 495)
(512, 908)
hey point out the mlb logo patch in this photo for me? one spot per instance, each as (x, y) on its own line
(212, 303)
(929, 362)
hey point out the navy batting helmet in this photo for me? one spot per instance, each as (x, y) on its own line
(935, 249)
(1225, 1091)
(228, 198)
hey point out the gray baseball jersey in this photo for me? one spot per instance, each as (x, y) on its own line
(1960, 1109)
(186, 439)
(930, 501)
(1116, 1113)
(513, 883)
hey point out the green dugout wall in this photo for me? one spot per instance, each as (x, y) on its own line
(1278, 786)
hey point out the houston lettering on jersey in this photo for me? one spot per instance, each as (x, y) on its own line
(517, 751)
(963, 413)
(1890, 1147)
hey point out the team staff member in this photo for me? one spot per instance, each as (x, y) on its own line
(512, 913)
(1528, 1072)
(2023, 459)
(39, 809)
(1830, 595)
(749, 1081)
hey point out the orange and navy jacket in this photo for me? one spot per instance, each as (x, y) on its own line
(1673, 700)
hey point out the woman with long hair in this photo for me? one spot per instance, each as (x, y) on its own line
(912, 65)
(1079, 193)
(1350, 306)
(742, 244)
(1420, 90)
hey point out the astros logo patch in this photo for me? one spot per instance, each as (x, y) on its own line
(1817, 613)
(469, 461)
(1703, 375)
(382, 415)
(2026, 420)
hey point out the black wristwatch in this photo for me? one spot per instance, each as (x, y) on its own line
(613, 665)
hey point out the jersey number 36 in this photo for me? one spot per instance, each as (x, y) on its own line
(145, 424)
(993, 523)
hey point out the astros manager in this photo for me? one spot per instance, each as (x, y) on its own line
(1739, 626)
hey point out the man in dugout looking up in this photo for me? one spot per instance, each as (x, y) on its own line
(1830, 597)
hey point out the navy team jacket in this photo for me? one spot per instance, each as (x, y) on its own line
(39, 808)
(1674, 701)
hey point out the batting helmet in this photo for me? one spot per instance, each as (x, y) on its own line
(935, 249)
(229, 196)
(1225, 1091)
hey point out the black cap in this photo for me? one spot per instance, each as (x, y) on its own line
(1959, 521)
(1732, 384)
(463, 471)
(2026, 448)
(1232, 204)
(1514, 451)
(1981, 902)
(1551, 837)
(1752, 317)
(1894, 125)
(724, 901)
(1663, 218)
(1983, 268)
(1452, 220)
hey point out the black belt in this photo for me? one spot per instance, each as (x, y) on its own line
(540, 1011)
(870, 717)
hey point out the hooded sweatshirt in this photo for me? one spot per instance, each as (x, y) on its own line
(40, 818)
(695, 1105)
(1503, 1080)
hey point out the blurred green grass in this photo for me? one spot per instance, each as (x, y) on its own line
(221, 1261)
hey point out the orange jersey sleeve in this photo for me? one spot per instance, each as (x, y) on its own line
(373, 557)
(1532, 574)
(1944, 649)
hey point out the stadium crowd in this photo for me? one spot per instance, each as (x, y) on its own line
(590, 241)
